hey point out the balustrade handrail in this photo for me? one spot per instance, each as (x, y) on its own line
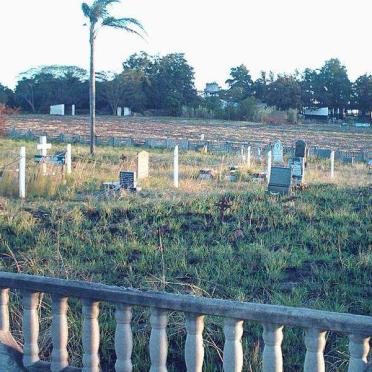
(263, 313)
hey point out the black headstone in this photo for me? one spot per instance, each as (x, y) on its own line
(300, 149)
(128, 180)
(280, 180)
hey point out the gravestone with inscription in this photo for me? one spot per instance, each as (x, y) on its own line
(297, 166)
(128, 181)
(280, 180)
(142, 165)
(277, 153)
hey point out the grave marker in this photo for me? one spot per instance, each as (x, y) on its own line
(277, 153)
(280, 180)
(297, 166)
(249, 156)
(128, 180)
(73, 110)
(118, 111)
(22, 173)
(300, 149)
(57, 110)
(43, 148)
(175, 168)
(206, 174)
(142, 165)
(127, 111)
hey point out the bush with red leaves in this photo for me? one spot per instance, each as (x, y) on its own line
(4, 113)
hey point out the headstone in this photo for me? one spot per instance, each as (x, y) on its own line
(57, 159)
(73, 110)
(175, 168)
(277, 153)
(280, 180)
(249, 156)
(118, 111)
(300, 149)
(297, 166)
(57, 110)
(128, 180)
(332, 158)
(202, 137)
(22, 173)
(233, 174)
(127, 111)
(142, 165)
(206, 174)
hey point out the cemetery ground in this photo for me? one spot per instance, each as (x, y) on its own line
(212, 238)
(323, 135)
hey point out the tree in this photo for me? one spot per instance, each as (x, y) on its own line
(240, 80)
(40, 87)
(260, 86)
(6, 96)
(171, 84)
(362, 94)
(99, 16)
(334, 87)
(284, 93)
(309, 86)
(112, 89)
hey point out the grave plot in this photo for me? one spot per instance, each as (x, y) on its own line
(165, 173)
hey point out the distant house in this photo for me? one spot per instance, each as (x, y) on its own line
(321, 113)
(211, 89)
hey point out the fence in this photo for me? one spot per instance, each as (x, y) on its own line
(186, 144)
(273, 318)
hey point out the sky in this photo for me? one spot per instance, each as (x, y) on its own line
(215, 35)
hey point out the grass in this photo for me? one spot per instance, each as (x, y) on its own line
(211, 238)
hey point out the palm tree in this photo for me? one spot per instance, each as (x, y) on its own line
(99, 16)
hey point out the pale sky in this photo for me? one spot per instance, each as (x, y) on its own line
(215, 35)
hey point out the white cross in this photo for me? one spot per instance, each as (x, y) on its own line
(43, 146)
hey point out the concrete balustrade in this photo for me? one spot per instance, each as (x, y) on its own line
(273, 319)
(123, 338)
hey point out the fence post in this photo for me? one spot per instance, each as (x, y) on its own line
(268, 171)
(175, 168)
(68, 159)
(22, 173)
(332, 164)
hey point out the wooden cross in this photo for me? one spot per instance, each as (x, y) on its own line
(43, 146)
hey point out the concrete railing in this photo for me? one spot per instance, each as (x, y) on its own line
(273, 318)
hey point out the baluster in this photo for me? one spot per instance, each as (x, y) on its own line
(315, 343)
(272, 355)
(233, 351)
(123, 339)
(90, 336)
(4, 310)
(194, 348)
(59, 334)
(30, 302)
(158, 340)
(358, 349)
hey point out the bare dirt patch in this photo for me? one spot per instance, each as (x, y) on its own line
(321, 135)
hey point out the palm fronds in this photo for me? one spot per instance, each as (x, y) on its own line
(124, 24)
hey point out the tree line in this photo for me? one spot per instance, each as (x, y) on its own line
(164, 85)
